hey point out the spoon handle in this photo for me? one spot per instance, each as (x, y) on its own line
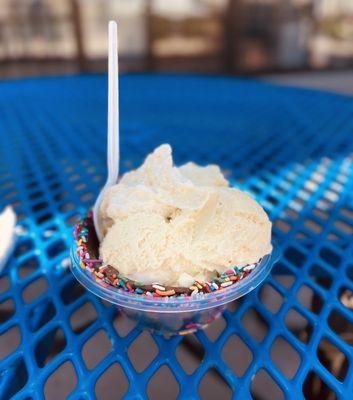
(113, 106)
(113, 123)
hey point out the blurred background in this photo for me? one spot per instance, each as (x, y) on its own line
(39, 37)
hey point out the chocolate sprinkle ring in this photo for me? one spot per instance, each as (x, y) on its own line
(106, 275)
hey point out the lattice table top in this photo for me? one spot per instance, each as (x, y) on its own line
(292, 149)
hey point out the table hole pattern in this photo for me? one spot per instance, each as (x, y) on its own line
(9, 341)
(214, 330)
(321, 276)
(49, 346)
(35, 289)
(169, 389)
(142, 351)
(310, 299)
(285, 357)
(95, 349)
(214, 382)
(237, 355)
(71, 291)
(333, 359)
(112, 380)
(263, 380)
(190, 353)
(40, 314)
(7, 310)
(122, 324)
(27, 267)
(255, 324)
(298, 325)
(83, 317)
(233, 306)
(316, 388)
(271, 298)
(18, 374)
(64, 378)
(4, 284)
(342, 326)
(291, 149)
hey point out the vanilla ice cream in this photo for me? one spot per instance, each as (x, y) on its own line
(176, 225)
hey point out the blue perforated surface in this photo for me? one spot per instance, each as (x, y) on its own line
(292, 149)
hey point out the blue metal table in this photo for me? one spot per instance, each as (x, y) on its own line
(292, 149)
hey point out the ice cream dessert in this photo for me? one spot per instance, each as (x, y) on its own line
(179, 228)
(176, 225)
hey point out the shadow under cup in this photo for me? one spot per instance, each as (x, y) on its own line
(173, 315)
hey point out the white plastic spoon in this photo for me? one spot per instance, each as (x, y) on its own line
(113, 122)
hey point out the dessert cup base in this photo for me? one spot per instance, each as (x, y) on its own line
(178, 315)
(173, 325)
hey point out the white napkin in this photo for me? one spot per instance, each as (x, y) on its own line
(7, 234)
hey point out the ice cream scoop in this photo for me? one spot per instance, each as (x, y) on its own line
(177, 225)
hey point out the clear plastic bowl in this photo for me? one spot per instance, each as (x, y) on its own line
(174, 315)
